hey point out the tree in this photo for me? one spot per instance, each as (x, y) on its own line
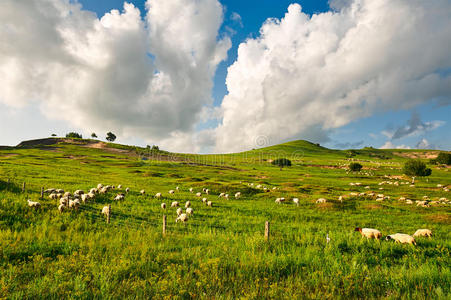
(155, 148)
(94, 135)
(281, 162)
(74, 135)
(415, 167)
(53, 134)
(444, 158)
(355, 167)
(111, 137)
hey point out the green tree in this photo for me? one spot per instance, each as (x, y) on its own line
(111, 137)
(415, 167)
(355, 167)
(281, 162)
(94, 135)
(74, 135)
(444, 158)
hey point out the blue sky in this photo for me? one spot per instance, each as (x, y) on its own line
(242, 22)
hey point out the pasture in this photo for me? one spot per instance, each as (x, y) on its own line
(221, 251)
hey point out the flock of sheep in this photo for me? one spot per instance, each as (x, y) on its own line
(402, 238)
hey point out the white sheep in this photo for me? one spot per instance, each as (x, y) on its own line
(119, 186)
(61, 208)
(321, 200)
(84, 198)
(163, 205)
(177, 188)
(189, 211)
(78, 193)
(99, 186)
(171, 192)
(106, 210)
(93, 191)
(63, 201)
(34, 204)
(226, 196)
(142, 192)
(187, 204)
(49, 191)
(296, 201)
(59, 191)
(67, 194)
(237, 195)
(179, 211)
(369, 233)
(127, 190)
(221, 195)
(53, 196)
(198, 194)
(74, 204)
(207, 191)
(209, 203)
(423, 232)
(191, 190)
(401, 238)
(175, 204)
(182, 218)
(158, 195)
(119, 197)
(204, 200)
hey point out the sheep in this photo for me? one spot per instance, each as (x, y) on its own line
(119, 197)
(34, 204)
(84, 198)
(278, 201)
(369, 233)
(182, 218)
(119, 186)
(99, 186)
(198, 194)
(221, 195)
(93, 191)
(127, 190)
(237, 195)
(171, 192)
(175, 204)
(296, 201)
(179, 211)
(74, 204)
(59, 191)
(177, 188)
(424, 203)
(401, 238)
(191, 190)
(209, 203)
(207, 191)
(78, 193)
(61, 208)
(53, 196)
(226, 196)
(67, 194)
(380, 199)
(408, 201)
(204, 200)
(142, 192)
(106, 210)
(423, 232)
(158, 195)
(90, 195)
(189, 211)
(49, 191)
(203, 190)
(187, 204)
(63, 201)
(340, 198)
(321, 200)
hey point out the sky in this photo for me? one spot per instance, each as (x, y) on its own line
(223, 76)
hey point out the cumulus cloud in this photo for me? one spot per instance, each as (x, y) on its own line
(318, 73)
(390, 145)
(424, 144)
(349, 145)
(147, 78)
(414, 126)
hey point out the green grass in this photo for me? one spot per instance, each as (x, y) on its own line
(221, 252)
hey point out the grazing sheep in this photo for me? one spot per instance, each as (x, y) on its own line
(237, 195)
(189, 211)
(221, 195)
(163, 205)
(207, 191)
(50, 191)
(278, 201)
(119, 186)
(59, 191)
(84, 198)
(75, 204)
(34, 204)
(63, 201)
(187, 204)
(408, 201)
(424, 203)
(127, 190)
(179, 211)
(158, 195)
(61, 208)
(142, 192)
(198, 194)
(119, 197)
(171, 192)
(177, 188)
(67, 194)
(175, 204)
(401, 238)
(209, 203)
(204, 200)
(423, 232)
(78, 193)
(99, 186)
(91, 195)
(182, 218)
(296, 201)
(226, 196)
(321, 200)
(191, 190)
(369, 233)
(93, 191)
(53, 196)
(106, 210)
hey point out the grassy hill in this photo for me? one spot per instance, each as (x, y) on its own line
(221, 251)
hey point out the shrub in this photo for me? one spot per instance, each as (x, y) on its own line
(94, 135)
(111, 137)
(444, 158)
(281, 162)
(355, 167)
(416, 167)
(53, 134)
(74, 135)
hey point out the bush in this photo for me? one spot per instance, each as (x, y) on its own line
(355, 167)
(93, 135)
(281, 162)
(416, 167)
(111, 137)
(74, 135)
(444, 158)
(53, 134)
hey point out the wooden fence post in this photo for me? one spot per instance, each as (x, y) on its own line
(42, 193)
(109, 214)
(267, 231)
(23, 187)
(164, 225)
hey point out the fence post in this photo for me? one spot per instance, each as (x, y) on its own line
(42, 193)
(267, 231)
(23, 187)
(109, 214)
(164, 225)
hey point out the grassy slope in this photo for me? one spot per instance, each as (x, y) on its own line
(221, 251)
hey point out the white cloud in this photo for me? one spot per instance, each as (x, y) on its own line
(424, 144)
(97, 74)
(413, 127)
(237, 18)
(305, 74)
(390, 145)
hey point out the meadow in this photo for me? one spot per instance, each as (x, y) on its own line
(221, 251)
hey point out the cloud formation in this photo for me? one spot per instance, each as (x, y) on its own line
(414, 126)
(314, 74)
(147, 78)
